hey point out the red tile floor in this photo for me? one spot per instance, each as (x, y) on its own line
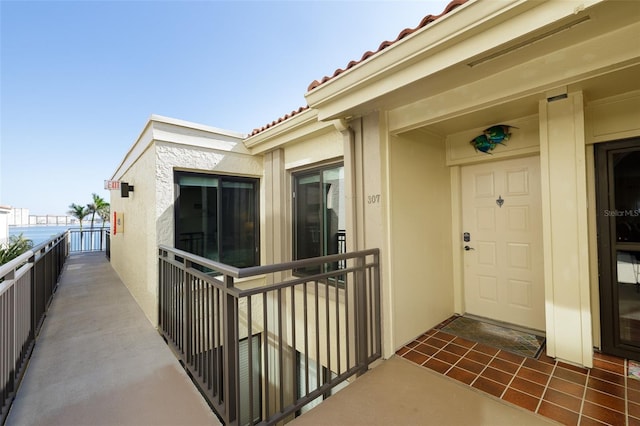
(562, 392)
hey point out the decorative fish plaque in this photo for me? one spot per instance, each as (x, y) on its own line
(491, 137)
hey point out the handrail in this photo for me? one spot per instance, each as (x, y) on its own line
(253, 271)
(88, 240)
(15, 264)
(26, 290)
(253, 349)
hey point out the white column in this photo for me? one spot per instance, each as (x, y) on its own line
(565, 231)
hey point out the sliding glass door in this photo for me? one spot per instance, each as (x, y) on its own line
(216, 217)
(618, 179)
(319, 214)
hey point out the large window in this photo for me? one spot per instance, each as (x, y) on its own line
(319, 213)
(217, 217)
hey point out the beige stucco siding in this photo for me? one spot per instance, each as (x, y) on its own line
(311, 151)
(134, 250)
(420, 245)
(172, 157)
(166, 145)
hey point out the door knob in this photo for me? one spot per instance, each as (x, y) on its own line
(467, 248)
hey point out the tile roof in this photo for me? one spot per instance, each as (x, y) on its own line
(407, 31)
(279, 120)
(404, 33)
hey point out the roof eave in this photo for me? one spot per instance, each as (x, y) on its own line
(344, 94)
(155, 130)
(302, 125)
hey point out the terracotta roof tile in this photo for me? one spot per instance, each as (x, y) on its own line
(407, 31)
(279, 120)
(404, 33)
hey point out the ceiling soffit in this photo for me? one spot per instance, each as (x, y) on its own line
(602, 66)
(469, 54)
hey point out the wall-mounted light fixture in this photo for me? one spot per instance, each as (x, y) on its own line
(125, 189)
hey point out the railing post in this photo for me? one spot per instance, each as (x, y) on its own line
(230, 345)
(161, 259)
(187, 333)
(361, 315)
(12, 353)
(34, 296)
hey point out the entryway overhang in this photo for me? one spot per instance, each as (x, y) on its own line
(485, 57)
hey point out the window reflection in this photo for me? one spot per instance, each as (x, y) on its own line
(628, 273)
(319, 217)
(627, 196)
(216, 218)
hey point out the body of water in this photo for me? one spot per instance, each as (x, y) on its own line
(39, 233)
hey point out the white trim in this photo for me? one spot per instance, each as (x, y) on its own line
(467, 32)
(179, 132)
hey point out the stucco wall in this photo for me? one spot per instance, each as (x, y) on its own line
(312, 150)
(133, 251)
(149, 211)
(189, 158)
(420, 235)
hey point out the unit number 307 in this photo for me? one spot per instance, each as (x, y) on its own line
(373, 199)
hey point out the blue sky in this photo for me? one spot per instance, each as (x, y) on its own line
(78, 80)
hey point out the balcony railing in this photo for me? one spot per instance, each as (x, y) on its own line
(86, 240)
(27, 284)
(263, 343)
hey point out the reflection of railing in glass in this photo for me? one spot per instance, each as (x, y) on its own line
(193, 242)
(342, 247)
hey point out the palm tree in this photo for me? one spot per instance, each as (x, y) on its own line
(105, 214)
(98, 206)
(78, 211)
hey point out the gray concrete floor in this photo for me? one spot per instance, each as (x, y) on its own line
(398, 392)
(98, 360)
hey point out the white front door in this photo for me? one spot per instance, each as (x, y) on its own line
(503, 259)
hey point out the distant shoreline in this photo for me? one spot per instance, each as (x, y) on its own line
(42, 232)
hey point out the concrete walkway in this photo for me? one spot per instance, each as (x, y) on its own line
(98, 360)
(398, 392)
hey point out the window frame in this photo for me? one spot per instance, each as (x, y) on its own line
(295, 177)
(177, 174)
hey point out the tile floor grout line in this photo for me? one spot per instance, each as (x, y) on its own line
(513, 377)
(555, 364)
(484, 369)
(460, 357)
(442, 349)
(546, 386)
(584, 396)
(626, 392)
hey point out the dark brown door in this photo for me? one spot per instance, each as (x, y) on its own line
(618, 200)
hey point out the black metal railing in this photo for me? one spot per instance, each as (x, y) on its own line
(27, 284)
(107, 247)
(249, 347)
(85, 240)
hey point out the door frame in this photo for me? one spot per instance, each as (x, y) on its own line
(458, 257)
(609, 311)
